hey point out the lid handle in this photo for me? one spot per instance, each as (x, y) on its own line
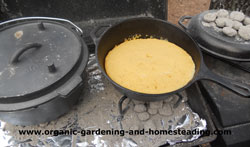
(180, 22)
(15, 57)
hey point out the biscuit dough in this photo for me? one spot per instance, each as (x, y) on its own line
(236, 15)
(244, 32)
(229, 31)
(247, 21)
(220, 22)
(223, 13)
(229, 23)
(237, 25)
(210, 17)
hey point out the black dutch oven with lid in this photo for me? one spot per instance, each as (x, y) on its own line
(42, 64)
(214, 42)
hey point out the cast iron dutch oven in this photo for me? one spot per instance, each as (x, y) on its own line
(42, 63)
(159, 29)
(214, 42)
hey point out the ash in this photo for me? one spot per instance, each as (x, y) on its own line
(94, 75)
(98, 109)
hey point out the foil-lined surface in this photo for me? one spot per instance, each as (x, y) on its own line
(98, 108)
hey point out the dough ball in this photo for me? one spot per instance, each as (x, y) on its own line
(222, 13)
(205, 24)
(208, 24)
(220, 22)
(237, 25)
(217, 29)
(209, 17)
(229, 31)
(212, 24)
(228, 22)
(244, 32)
(247, 21)
(236, 15)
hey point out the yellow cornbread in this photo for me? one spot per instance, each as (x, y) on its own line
(151, 66)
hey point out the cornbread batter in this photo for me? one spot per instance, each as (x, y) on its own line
(149, 66)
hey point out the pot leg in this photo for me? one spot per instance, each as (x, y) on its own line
(121, 111)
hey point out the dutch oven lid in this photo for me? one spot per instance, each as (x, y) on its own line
(35, 56)
(214, 41)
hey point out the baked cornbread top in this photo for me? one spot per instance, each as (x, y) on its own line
(151, 66)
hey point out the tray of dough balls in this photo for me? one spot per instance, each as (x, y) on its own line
(231, 23)
(221, 32)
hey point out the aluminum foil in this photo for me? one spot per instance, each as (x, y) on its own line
(94, 75)
(201, 124)
(98, 109)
